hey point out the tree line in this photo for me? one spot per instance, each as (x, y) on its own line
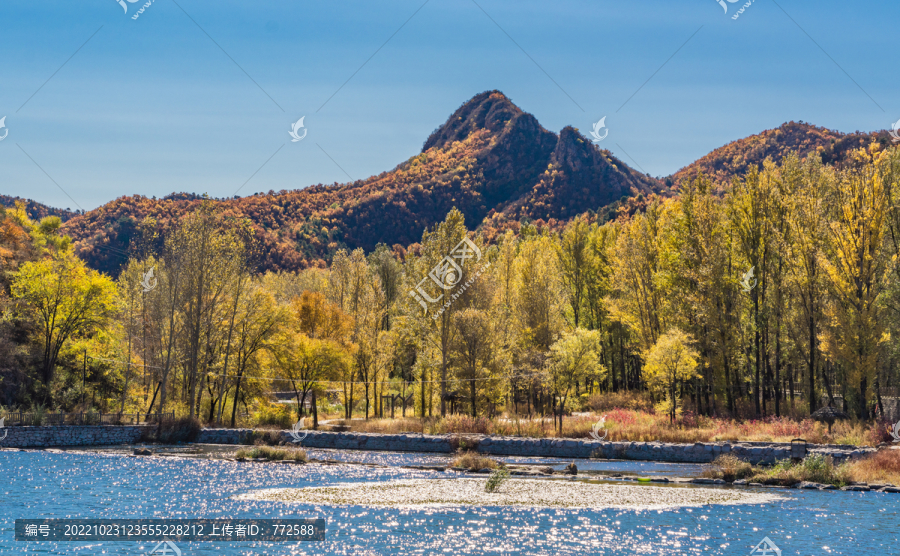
(771, 297)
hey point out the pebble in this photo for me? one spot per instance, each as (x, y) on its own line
(514, 492)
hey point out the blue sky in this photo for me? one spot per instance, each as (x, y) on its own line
(155, 104)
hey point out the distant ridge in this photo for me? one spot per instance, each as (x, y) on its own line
(735, 158)
(490, 159)
(36, 210)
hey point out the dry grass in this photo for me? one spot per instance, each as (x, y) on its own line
(267, 438)
(881, 467)
(385, 426)
(474, 461)
(729, 467)
(815, 469)
(272, 454)
(638, 425)
(636, 401)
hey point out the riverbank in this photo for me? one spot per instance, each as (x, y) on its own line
(619, 423)
(756, 453)
(802, 476)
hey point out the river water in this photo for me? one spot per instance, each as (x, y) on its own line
(109, 485)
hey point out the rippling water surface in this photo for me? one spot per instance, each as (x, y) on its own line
(39, 484)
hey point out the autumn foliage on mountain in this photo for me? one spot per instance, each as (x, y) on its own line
(737, 157)
(490, 160)
(36, 210)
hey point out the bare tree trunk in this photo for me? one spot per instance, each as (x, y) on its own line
(237, 392)
(315, 410)
(811, 369)
(152, 401)
(757, 393)
(127, 373)
(878, 397)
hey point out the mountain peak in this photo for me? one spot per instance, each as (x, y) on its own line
(582, 177)
(490, 110)
(490, 157)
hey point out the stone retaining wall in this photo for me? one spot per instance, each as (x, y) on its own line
(753, 452)
(46, 437)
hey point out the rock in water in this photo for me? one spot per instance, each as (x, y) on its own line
(142, 452)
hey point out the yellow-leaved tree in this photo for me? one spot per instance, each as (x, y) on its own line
(671, 360)
(573, 358)
(68, 299)
(855, 262)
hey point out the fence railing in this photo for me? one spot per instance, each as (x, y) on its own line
(59, 419)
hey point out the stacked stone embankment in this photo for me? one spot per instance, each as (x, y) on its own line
(49, 437)
(753, 452)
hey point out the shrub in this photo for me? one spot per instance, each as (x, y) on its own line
(474, 461)
(497, 478)
(39, 415)
(815, 468)
(267, 438)
(461, 443)
(272, 454)
(880, 432)
(635, 401)
(465, 424)
(729, 467)
(270, 414)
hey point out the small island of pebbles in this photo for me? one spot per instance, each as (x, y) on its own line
(516, 492)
